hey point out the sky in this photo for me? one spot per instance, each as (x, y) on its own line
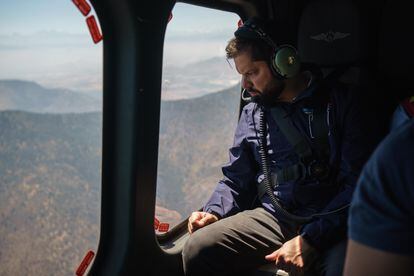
(47, 41)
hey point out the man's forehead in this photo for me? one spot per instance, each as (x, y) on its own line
(243, 62)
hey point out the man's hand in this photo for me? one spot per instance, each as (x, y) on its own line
(200, 219)
(294, 256)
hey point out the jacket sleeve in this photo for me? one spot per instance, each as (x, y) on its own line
(357, 137)
(236, 191)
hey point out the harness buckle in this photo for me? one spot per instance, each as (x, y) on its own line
(318, 169)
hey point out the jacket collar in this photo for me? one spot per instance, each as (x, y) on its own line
(309, 91)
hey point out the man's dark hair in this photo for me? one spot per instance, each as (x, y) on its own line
(248, 38)
(259, 50)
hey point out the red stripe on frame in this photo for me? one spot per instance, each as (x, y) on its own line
(83, 6)
(94, 29)
(156, 223)
(85, 263)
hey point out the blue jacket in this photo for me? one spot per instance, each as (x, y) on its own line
(350, 147)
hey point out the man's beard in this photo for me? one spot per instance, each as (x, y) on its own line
(268, 97)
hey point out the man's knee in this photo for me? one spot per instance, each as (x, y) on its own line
(198, 256)
(191, 251)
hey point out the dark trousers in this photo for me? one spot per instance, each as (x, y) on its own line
(237, 245)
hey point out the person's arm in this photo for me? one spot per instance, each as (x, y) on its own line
(381, 215)
(236, 191)
(353, 130)
(399, 117)
(362, 260)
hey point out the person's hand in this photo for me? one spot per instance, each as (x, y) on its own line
(295, 256)
(198, 220)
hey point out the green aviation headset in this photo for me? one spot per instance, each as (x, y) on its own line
(285, 60)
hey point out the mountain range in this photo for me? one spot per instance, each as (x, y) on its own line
(50, 170)
(178, 82)
(198, 79)
(31, 97)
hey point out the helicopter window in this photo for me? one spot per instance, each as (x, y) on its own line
(50, 138)
(199, 110)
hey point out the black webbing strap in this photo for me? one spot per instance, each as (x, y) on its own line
(320, 104)
(294, 172)
(321, 130)
(295, 138)
(302, 147)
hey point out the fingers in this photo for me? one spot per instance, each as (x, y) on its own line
(278, 259)
(287, 265)
(272, 257)
(190, 228)
(191, 221)
(207, 219)
(199, 219)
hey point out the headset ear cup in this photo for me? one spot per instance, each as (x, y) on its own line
(286, 61)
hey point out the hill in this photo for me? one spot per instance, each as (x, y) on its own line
(31, 97)
(50, 171)
(49, 191)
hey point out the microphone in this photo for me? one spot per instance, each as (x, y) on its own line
(244, 97)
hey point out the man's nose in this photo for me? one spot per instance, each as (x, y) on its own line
(246, 83)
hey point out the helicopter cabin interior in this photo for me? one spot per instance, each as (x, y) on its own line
(358, 42)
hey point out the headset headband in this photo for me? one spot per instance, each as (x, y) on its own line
(262, 35)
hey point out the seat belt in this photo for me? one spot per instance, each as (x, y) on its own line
(310, 164)
(298, 142)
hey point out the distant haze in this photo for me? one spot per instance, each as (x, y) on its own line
(47, 41)
(179, 82)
